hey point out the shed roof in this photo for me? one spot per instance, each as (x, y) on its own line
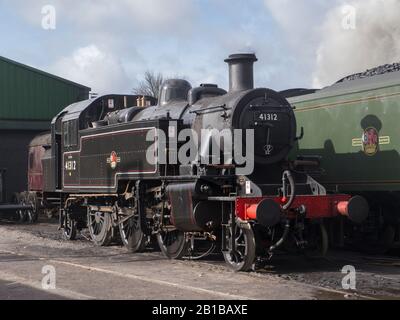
(24, 66)
(30, 98)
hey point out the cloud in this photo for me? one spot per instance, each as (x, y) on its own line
(95, 68)
(299, 35)
(374, 41)
(325, 50)
(299, 20)
(133, 15)
(112, 43)
(108, 44)
(175, 37)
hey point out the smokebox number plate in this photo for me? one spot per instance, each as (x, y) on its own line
(267, 117)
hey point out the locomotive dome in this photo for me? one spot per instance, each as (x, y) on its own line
(174, 90)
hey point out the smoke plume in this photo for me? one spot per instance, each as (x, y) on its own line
(355, 36)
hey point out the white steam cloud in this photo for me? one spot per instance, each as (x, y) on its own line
(347, 47)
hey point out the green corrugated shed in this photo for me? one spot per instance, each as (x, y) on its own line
(30, 98)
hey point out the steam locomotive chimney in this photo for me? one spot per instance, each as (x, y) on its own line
(241, 76)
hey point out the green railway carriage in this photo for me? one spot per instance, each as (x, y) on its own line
(355, 127)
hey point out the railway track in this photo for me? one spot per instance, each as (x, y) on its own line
(325, 293)
(377, 277)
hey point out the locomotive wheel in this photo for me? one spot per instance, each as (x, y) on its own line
(100, 227)
(31, 217)
(33, 214)
(26, 216)
(132, 236)
(244, 257)
(22, 216)
(70, 229)
(318, 242)
(173, 244)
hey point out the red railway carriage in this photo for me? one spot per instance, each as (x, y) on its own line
(34, 197)
(37, 149)
(29, 204)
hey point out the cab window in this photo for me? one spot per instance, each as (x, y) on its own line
(70, 132)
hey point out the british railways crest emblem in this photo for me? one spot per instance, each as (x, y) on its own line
(113, 160)
(370, 141)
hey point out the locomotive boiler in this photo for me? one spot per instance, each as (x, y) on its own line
(203, 168)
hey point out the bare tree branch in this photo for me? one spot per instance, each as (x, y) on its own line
(150, 85)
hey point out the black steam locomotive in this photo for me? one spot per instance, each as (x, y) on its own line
(140, 173)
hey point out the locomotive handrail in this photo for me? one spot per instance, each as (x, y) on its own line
(301, 134)
(224, 199)
(210, 109)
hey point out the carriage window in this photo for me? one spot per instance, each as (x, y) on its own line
(31, 160)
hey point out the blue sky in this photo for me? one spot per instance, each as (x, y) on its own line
(108, 45)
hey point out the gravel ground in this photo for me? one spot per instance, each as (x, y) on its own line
(88, 272)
